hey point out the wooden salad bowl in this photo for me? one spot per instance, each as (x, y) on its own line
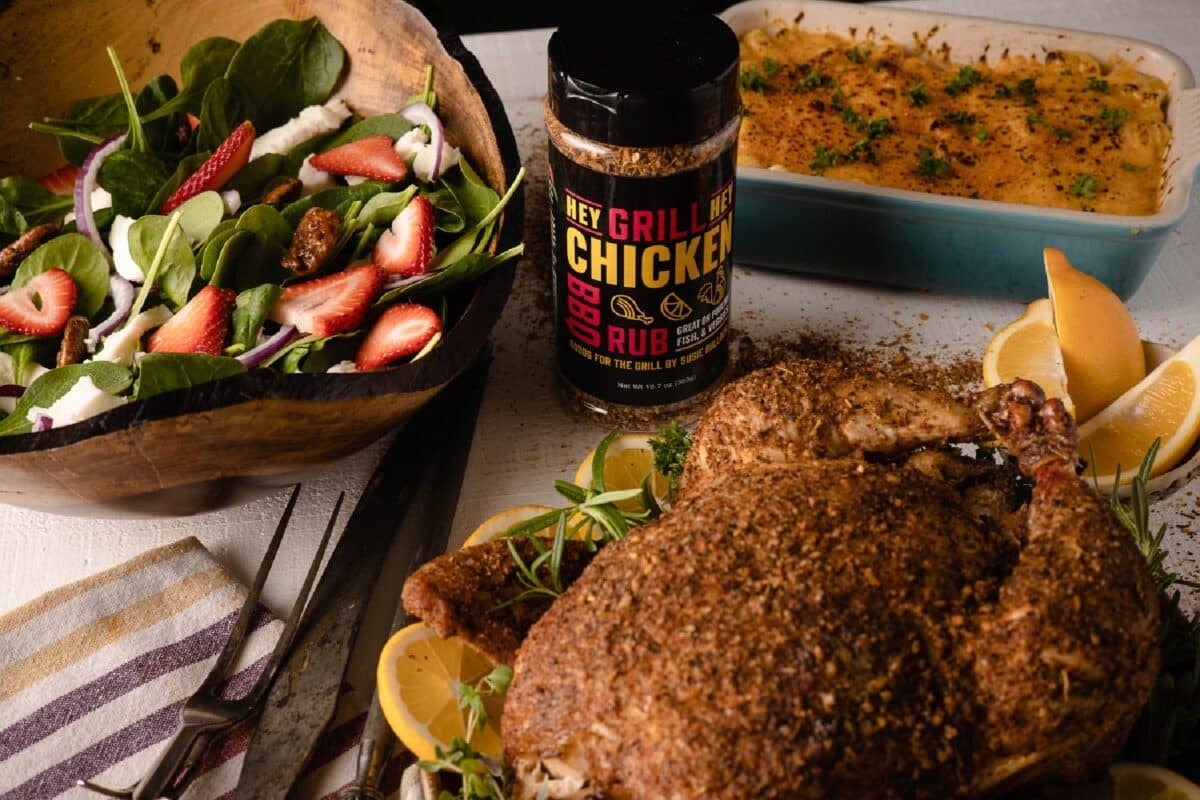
(262, 423)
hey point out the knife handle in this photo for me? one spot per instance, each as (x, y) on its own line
(374, 751)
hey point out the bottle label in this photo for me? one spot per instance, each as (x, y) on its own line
(642, 274)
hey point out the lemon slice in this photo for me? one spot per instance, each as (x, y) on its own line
(628, 461)
(1101, 351)
(499, 522)
(1028, 348)
(419, 676)
(1144, 782)
(1164, 406)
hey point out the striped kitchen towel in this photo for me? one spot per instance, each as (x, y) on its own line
(93, 675)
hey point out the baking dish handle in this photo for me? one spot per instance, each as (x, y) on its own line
(1188, 128)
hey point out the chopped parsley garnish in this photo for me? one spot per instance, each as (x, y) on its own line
(1003, 92)
(864, 149)
(824, 158)
(963, 119)
(813, 80)
(752, 80)
(1129, 166)
(880, 126)
(930, 166)
(967, 77)
(1033, 120)
(1027, 88)
(851, 116)
(1062, 134)
(857, 55)
(1097, 85)
(981, 134)
(917, 96)
(1085, 186)
(770, 66)
(836, 99)
(1113, 118)
(670, 448)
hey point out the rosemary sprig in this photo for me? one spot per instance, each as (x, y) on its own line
(1168, 730)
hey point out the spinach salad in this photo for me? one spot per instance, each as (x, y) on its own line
(240, 218)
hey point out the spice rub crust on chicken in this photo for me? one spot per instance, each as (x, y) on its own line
(834, 610)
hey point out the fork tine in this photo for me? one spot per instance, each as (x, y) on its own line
(120, 794)
(288, 635)
(234, 643)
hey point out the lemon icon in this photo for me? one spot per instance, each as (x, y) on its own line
(675, 308)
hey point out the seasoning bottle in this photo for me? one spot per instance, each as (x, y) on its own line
(642, 118)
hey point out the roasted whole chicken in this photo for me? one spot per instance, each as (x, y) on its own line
(839, 606)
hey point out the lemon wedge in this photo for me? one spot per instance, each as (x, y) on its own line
(420, 678)
(1102, 354)
(627, 463)
(1028, 348)
(1164, 406)
(1144, 782)
(501, 521)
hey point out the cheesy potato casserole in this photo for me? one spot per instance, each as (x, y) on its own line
(1066, 132)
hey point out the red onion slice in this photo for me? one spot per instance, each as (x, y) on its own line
(422, 114)
(85, 184)
(121, 291)
(42, 422)
(260, 353)
(12, 390)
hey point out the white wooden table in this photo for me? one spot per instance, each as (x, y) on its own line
(525, 438)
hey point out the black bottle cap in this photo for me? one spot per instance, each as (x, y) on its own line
(648, 81)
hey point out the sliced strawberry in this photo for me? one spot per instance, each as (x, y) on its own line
(371, 157)
(400, 332)
(62, 180)
(40, 307)
(331, 305)
(222, 165)
(199, 327)
(407, 249)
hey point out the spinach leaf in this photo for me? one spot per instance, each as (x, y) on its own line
(165, 372)
(221, 112)
(464, 270)
(252, 180)
(44, 391)
(178, 268)
(284, 67)
(159, 133)
(250, 312)
(476, 237)
(449, 216)
(477, 198)
(211, 253)
(12, 221)
(392, 125)
(332, 198)
(244, 259)
(35, 203)
(78, 257)
(312, 354)
(23, 354)
(94, 117)
(133, 180)
(183, 171)
(267, 222)
(204, 62)
(382, 208)
(200, 215)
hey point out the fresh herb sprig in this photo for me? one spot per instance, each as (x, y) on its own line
(670, 448)
(481, 777)
(1168, 730)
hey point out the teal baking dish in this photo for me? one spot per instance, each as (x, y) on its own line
(806, 223)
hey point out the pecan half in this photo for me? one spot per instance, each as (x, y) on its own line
(288, 190)
(12, 255)
(313, 242)
(74, 343)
